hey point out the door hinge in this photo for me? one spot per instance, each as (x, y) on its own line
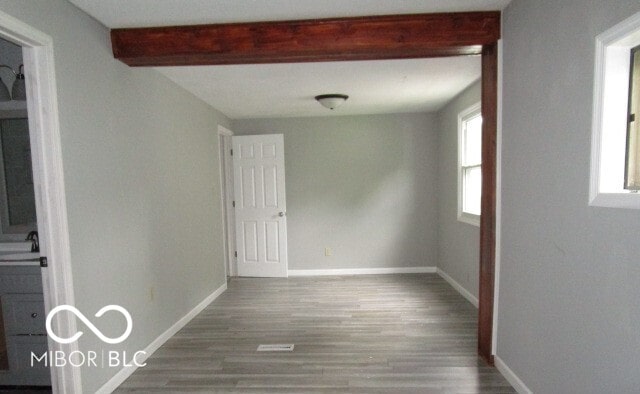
(43, 262)
(234, 204)
(236, 253)
(231, 152)
(632, 118)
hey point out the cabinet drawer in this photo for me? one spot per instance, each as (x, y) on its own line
(23, 314)
(18, 279)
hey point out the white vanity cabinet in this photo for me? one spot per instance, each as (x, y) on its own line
(24, 325)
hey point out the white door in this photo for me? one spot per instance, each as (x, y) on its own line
(260, 205)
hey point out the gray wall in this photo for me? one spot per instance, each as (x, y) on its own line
(364, 186)
(569, 287)
(458, 242)
(142, 182)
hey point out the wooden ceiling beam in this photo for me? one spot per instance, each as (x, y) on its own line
(361, 38)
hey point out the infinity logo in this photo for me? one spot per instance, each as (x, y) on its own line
(86, 321)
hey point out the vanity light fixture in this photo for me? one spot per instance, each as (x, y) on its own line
(332, 101)
(18, 89)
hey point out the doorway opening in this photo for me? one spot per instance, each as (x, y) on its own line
(50, 203)
(363, 38)
(22, 327)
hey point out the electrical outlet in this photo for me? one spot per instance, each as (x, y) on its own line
(328, 251)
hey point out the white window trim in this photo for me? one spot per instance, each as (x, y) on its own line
(610, 106)
(465, 217)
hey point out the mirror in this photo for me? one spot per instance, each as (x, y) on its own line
(17, 198)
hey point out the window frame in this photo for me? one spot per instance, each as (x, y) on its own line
(610, 116)
(632, 153)
(463, 117)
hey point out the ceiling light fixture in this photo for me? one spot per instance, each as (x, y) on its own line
(18, 89)
(332, 101)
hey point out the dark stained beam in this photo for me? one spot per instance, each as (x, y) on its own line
(361, 38)
(488, 204)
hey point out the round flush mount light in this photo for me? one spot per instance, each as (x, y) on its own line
(332, 101)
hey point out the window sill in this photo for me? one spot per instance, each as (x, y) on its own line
(468, 218)
(616, 200)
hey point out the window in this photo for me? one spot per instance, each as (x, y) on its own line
(632, 165)
(470, 165)
(615, 144)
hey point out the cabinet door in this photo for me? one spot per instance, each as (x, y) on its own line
(21, 372)
(23, 314)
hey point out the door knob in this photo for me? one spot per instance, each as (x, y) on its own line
(281, 214)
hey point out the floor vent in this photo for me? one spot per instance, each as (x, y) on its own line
(276, 348)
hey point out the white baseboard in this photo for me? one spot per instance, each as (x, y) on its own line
(125, 372)
(364, 271)
(511, 377)
(464, 292)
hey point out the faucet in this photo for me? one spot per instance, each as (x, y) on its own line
(35, 243)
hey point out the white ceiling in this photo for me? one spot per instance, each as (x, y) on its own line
(287, 90)
(138, 13)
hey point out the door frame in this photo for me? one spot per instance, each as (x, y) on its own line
(227, 198)
(348, 39)
(48, 177)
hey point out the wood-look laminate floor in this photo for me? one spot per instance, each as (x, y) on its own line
(408, 333)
